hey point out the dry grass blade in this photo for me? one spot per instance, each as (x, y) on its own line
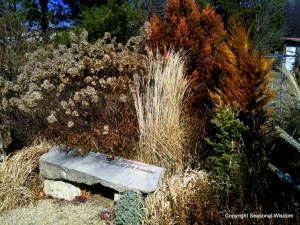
(159, 101)
(18, 180)
(184, 199)
(292, 78)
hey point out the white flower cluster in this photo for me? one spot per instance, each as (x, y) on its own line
(105, 129)
(27, 102)
(52, 117)
(70, 124)
(47, 85)
(69, 108)
(86, 95)
(122, 98)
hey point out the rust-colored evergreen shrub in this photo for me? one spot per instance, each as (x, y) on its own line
(243, 84)
(199, 32)
(78, 95)
(245, 74)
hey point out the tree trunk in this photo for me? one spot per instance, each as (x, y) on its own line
(44, 18)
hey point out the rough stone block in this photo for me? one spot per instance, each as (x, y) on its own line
(93, 168)
(61, 190)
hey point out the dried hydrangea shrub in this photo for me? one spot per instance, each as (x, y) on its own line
(75, 93)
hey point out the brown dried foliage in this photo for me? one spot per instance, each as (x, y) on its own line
(19, 180)
(200, 33)
(159, 100)
(187, 198)
(78, 95)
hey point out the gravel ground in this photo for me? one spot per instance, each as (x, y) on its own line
(55, 212)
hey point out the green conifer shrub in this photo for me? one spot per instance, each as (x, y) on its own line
(226, 143)
(121, 18)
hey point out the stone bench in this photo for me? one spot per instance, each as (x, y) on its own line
(93, 168)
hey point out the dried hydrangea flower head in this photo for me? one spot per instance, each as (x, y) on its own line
(70, 91)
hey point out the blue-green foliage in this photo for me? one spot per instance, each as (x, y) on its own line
(129, 209)
(226, 143)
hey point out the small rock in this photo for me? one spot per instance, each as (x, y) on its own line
(61, 190)
(116, 197)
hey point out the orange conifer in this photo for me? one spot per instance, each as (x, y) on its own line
(243, 85)
(200, 33)
(246, 74)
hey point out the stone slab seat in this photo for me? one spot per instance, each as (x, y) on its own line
(94, 168)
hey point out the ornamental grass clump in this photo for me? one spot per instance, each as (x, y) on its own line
(159, 99)
(19, 182)
(185, 198)
(78, 95)
(295, 89)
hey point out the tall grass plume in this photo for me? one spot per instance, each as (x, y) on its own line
(291, 76)
(159, 99)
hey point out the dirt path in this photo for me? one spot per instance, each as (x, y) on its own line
(50, 211)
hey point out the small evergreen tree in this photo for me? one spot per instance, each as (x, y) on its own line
(118, 17)
(226, 143)
(121, 18)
